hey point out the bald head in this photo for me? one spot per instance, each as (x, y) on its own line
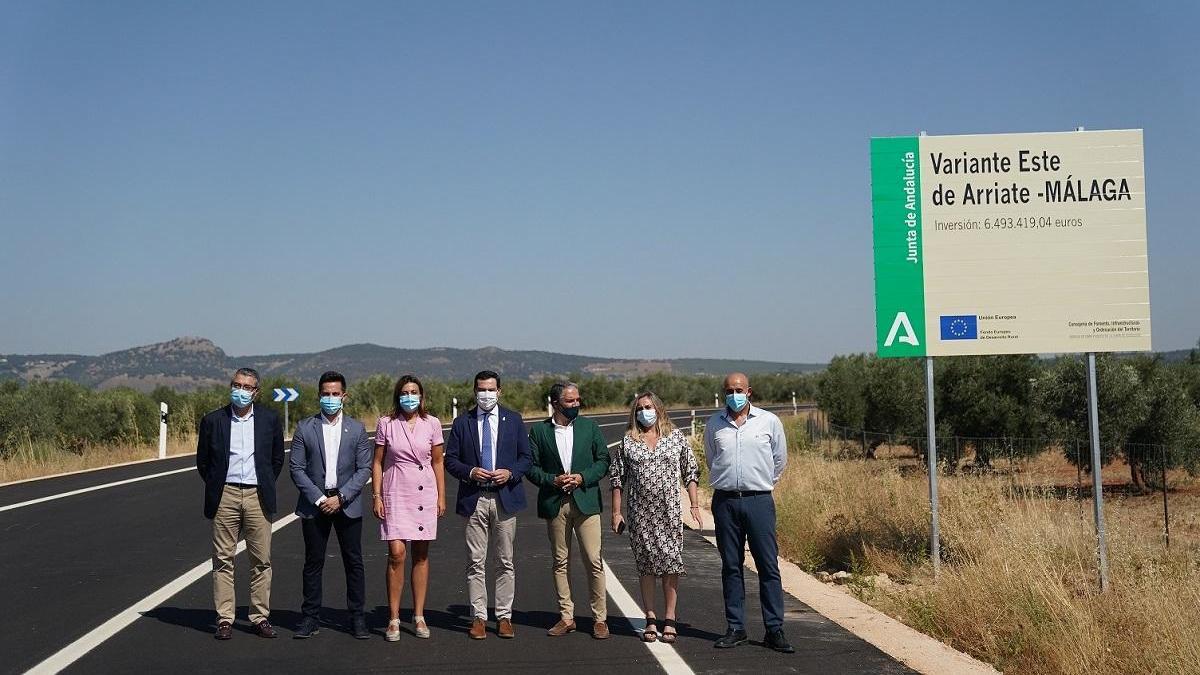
(736, 383)
(737, 393)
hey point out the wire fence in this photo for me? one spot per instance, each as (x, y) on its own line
(1148, 466)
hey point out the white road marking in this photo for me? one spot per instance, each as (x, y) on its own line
(665, 654)
(93, 488)
(95, 637)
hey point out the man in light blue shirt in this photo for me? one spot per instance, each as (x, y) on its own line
(746, 452)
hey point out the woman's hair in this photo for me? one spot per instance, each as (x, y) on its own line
(663, 423)
(397, 413)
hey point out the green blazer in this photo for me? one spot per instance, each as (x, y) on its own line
(589, 458)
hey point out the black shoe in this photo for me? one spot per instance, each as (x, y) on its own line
(359, 628)
(776, 640)
(732, 638)
(308, 627)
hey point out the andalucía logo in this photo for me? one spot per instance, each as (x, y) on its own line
(960, 327)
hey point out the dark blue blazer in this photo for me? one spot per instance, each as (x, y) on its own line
(512, 453)
(212, 455)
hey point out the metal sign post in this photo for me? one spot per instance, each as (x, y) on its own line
(1097, 479)
(287, 395)
(935, 545)
(453, 407)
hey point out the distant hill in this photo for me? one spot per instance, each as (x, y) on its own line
(190, 362)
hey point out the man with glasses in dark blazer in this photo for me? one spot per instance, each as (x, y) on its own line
(240, 455)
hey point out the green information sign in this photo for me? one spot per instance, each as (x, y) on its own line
(1010, 243)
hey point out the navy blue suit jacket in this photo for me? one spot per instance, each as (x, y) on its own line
(512, 453)
(212, 455)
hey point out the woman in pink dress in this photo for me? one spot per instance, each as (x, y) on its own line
(409, 496)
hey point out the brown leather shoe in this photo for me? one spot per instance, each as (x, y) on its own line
(263, 629)
(600, 631)
(504, 629)
(561, 628)
(224, 631)
(478, 629)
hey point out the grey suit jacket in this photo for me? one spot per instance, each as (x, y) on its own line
(307, 465)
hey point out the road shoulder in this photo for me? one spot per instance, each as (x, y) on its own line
(908, 646)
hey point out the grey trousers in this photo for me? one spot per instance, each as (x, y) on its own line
(491, 522)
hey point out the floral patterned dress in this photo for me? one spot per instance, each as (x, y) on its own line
(649, 481)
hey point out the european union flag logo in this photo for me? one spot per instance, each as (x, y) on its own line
(960, 327)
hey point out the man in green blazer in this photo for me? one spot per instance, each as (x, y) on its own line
(569, 459)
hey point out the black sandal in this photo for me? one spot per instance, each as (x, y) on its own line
(650, 633)
(669, 638)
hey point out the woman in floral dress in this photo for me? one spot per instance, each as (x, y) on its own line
(654, 460)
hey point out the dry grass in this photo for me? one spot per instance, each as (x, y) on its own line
(1018, 586)
(43, 459)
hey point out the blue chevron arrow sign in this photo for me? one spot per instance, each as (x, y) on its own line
(286, 394)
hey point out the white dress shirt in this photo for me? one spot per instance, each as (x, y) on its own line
(241, 450)
(331, 435)
(332, 432)
(493, 420)
(749, 457)
(564, 438)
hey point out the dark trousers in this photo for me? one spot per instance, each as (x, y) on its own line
(738, 520)
(316, 539)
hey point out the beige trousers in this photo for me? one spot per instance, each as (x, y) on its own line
(587, 530)
(239, 516)
(491, 522)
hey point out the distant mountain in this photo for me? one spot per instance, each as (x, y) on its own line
(191, 362)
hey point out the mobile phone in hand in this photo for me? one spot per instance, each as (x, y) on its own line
(621, 527)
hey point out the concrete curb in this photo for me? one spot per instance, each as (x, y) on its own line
(911, 647)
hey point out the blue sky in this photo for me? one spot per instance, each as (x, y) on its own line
(617, 179)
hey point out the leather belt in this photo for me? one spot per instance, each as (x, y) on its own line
(738, 494)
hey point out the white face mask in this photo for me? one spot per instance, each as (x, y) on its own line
(487, 399)
(647, 417)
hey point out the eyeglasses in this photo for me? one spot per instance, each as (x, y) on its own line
(243, 386)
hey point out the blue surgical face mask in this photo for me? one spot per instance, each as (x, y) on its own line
(330, 405)
(736, 401)
(240, 398)
(647, 418)
(409, 402)
(570, 413)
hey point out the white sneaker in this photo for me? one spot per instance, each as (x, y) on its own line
(393, 631)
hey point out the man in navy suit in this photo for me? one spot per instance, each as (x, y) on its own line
(330, 464)
(240, 455)
(488, 452)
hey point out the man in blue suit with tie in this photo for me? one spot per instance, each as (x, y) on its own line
(330, 464)
(488, 452)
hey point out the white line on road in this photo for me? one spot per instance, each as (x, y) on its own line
(665, 654)
(95, 637)
(93, 488)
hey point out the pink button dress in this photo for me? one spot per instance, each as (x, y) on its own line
(409, 488)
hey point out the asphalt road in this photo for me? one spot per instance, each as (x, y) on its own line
(70, 564)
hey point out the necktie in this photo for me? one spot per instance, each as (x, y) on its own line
(486, 452)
